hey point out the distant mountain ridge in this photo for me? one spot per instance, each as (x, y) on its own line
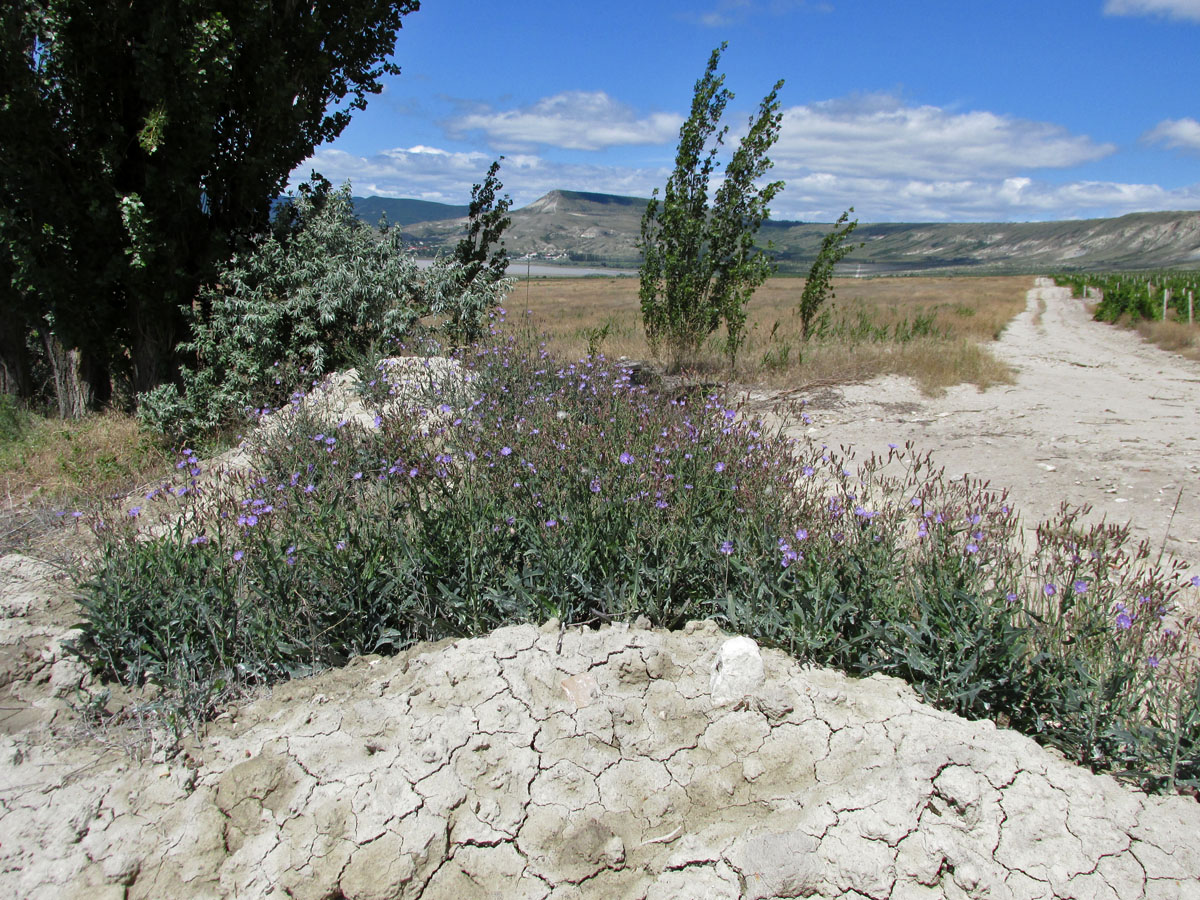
(578, 227)
(404, 212)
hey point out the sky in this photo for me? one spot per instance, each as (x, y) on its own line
(906, 110)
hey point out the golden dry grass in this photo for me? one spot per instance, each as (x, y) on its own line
(61, 462)
(1178, 337)
(934, 330)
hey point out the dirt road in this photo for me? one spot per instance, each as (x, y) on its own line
(1096, 416)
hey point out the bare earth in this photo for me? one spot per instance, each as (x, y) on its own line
(1096, 416)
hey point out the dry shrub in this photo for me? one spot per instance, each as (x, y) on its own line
(1178, 337)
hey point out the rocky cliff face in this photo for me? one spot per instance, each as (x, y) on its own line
(543, 762)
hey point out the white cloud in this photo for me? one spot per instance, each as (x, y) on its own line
(1177, 134)
(876, 135)
(430, 173)
(821, 197)
(1172, 9)
(574, 120)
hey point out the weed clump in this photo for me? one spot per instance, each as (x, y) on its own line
(515, 487)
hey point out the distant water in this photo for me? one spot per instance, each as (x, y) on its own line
(540, 270)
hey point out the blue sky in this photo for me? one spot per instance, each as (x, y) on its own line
(907, 110)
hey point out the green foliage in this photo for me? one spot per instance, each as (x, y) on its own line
(700, 265)
(818, 287)
(317, 297)
(481, 252)
(510, 487)
(476, 271)
(143, 142)
(13, 419)
(1137, 295)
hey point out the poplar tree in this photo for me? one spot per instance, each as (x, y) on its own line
(700, 264)
(143, 144)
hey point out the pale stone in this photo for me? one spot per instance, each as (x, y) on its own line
(737, 672)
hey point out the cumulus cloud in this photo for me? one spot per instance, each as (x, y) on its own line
(877, 135)
(430, 173)
(1172, 9)
(1177, 134)
(821, 197)
(573, 120)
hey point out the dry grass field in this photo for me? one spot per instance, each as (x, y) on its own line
(1178, 337)
(934, 330)
(49, 465)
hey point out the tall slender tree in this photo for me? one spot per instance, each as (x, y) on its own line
(818, 287)
(700, 265)
(482, 250)
(143, 144)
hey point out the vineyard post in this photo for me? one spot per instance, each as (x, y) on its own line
(1166, 300)
(1189, 307)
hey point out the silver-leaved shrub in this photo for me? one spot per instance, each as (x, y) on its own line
(325, 294)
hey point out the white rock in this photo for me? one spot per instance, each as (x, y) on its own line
(737, 672)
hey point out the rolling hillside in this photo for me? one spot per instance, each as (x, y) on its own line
(602, 229)
(404, 212)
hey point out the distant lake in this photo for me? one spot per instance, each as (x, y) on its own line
(540, 270)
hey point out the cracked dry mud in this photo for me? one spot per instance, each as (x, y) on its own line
(534, 764)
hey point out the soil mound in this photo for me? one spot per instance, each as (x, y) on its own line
(623, 762)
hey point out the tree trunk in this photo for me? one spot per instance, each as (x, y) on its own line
(72, 391)
(155, 334)
(15, 368)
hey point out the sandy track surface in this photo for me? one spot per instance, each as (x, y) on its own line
(1096, 416)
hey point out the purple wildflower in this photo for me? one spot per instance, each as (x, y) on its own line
(1080, 587)
(726, 548)
(719, 467)
(1049, 590)
(237, 555)
(506, 451)
(626, 458)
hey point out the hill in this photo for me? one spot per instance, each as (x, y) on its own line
(404, 212)
(602, 229)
